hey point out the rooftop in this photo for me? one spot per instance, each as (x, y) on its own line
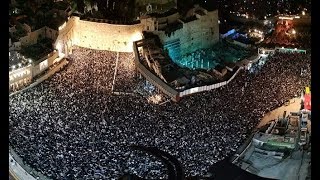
(39, 50)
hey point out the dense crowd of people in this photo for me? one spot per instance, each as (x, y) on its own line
(125, 78)
(72, 127)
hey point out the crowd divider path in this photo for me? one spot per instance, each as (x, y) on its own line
(115, 73)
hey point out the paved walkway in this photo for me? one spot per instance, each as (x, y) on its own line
(294, 106)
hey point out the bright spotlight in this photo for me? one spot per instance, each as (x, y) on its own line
(155, 99)
(294, 31)
(303, 13)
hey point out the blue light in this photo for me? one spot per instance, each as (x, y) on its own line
(206, 58)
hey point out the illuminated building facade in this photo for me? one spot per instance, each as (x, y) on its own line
(20, 77)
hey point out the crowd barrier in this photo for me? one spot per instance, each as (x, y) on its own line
(20, 170)
(283, 49)
(243, 148)
(208, 88)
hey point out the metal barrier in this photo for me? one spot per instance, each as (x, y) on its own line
(19, 170)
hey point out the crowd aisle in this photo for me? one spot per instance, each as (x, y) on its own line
(125, 79)
(72, 127)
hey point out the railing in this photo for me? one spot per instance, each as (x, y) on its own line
(208, 88)
(19, 170)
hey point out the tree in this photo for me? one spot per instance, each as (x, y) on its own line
(79, 5)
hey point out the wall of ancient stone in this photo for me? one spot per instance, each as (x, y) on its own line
(197, 34)
(104, 36)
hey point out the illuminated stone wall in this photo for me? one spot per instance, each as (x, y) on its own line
(104, 36)
(197, 34)
(65, 39)
(155, 24)
(95, 35)
(36, 69)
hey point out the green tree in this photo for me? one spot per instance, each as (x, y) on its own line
(79, 5)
